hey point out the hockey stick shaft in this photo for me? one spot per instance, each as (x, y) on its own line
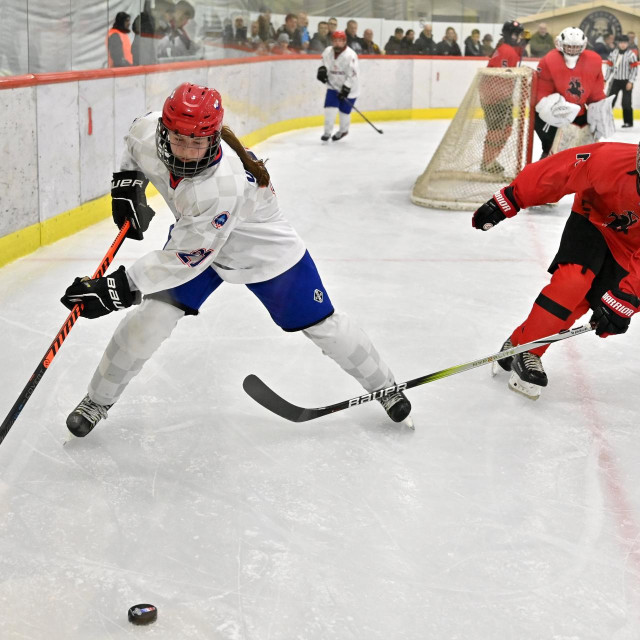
(270, 400)
(45, 363)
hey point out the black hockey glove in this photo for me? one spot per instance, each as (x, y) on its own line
(129, 202)
(501, 206)
(322, 75)
(100, 296)
(613, 314)
(344, 92)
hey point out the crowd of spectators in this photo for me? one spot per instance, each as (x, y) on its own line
(162, 32)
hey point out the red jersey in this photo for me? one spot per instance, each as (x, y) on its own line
(582, 85)
(604, 178)
(506, 56)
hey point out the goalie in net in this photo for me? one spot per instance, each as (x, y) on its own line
(489, 140)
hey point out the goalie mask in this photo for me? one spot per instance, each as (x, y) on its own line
(511, 32)
(571, 42)
(188, 133)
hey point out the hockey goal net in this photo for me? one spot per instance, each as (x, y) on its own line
(486, 145)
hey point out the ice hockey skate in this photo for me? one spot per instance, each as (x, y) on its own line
(398, 408)
(325, 136)
(339, 135)
(527, 375)
(492, 167)
(504, 363)
(86, 416)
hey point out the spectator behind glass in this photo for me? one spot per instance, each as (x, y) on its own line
(448, 46)
(143, 47)
(265, 28)
(303, 26)
(240, 36)
(282, 45)
(177, 42)
(632, 41)
(254, 35)
(118, 43)
(320, 40)
(393, 45)
(487, 45)
(541, 42)
(333, 25)
(369, 47)
(407, 48)
(425, 46)
(353, 41)
(290, 27)
(605, 45)
(472, 45)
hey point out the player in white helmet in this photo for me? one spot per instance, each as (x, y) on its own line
(570, 90)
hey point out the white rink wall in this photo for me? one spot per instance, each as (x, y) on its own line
(64, 139)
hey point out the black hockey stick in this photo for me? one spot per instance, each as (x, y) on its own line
(353, 106)
(270, 400)
(58, 340)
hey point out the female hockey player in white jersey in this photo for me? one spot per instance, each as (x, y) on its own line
(228, 228)
(339, 71)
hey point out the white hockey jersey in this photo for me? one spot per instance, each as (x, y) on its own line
(224, 220)
(342, 70)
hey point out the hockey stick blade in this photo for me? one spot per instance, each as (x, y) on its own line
(271, 401)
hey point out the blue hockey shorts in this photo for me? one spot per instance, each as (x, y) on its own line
(332, 100)
(295, 300)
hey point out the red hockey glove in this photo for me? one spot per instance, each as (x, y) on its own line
(501, 206)
(613, 314)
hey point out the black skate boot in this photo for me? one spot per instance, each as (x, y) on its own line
(86, 416)
(397, 407)
(338, 136)
(527, 375)
(504, 363)
(325, 136)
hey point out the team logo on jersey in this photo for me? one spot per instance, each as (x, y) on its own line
(575, 88)
(220, 219)
(622, 221)
(318, 296)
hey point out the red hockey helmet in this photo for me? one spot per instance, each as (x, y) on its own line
(195, 112)
(339, 35)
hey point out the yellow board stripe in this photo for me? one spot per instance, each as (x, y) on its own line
(25, 241)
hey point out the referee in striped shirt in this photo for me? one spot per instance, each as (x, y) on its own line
(623, 67)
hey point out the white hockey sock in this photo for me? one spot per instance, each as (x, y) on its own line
(329, 119)
(344, 119)
(134, 341)
(343, 341)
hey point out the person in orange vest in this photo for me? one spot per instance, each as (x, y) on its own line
(118, 42)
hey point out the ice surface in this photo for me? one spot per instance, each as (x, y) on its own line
(499, 518)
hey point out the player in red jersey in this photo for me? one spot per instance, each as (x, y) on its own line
(496, 97)
(571, 90)
(597, 265)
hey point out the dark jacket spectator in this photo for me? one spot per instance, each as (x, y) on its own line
(407, 48)
(353, 40)
(177, 42)
(472, 45)
(240, 36)
(487, 45)
(425, 45)
(143, 47)
(393, 45)
(541, 42)
(265, 28)
(290, 27)
(632, 41)
(448, 46)
(369, 47)
(320, 40)
(604, 47)
(118, 43)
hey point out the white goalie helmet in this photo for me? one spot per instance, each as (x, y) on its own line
(571, 42)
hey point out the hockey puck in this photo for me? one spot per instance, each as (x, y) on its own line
(143, 614)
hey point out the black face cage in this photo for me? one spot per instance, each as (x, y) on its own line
(177, 167)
